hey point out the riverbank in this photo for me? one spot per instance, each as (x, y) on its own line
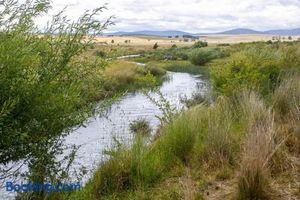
(122, 76)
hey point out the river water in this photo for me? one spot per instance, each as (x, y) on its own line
(98, 133)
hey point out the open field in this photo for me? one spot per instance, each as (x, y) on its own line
(161, 41)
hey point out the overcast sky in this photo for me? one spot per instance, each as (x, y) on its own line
(192, 15)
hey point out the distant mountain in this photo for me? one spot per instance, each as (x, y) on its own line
(151, 33)
(283, 32)
(244, 31)
(238, 31)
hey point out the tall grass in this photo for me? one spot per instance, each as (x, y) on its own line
(286, 105)
(122, 75)
(184, 66)
(215, 144)
(254, 177)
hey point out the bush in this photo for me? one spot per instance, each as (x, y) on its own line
(200, 44)
(100, 53)
(202, 56)
(255, 68)
(46, 85)
(156, 71)
(223, 45)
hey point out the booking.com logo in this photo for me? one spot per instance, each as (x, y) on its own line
(49, 188)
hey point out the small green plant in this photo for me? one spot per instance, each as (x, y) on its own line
(148, 80)
(140, 126)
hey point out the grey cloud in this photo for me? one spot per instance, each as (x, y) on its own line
(194, 15)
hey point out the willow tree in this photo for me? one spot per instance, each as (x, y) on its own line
(47, 85)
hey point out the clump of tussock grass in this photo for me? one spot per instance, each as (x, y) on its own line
(259, 147)
(218, 144)
(140, 126)
(248, 107)
(197, 98)
(127, 168)
(177, 138)
(286, 105)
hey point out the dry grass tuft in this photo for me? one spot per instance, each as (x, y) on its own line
(258, 149)
(287, 108)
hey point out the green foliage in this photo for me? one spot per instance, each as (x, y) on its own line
(254, 68)
(223, 44)
(100, 53)
(200, 44)
(140, 126)
(184, 66)
(203, 56)
(46, 84)
(174, 46)
(148, 80)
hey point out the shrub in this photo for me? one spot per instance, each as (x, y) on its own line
(254, 68)
(174, 46)
(46, 86)
(155, 46)
(156, 71)
(148, 80)
(202, 56)
(100, 53)
(223, 44)
(200, 44)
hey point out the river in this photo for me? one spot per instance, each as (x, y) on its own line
(98, 133)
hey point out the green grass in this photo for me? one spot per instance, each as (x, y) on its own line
(179, 66)
(122, 76)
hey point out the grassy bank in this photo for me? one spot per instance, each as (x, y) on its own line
(120, 76)
(179, 66)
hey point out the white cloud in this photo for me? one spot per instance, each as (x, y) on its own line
(191, 15)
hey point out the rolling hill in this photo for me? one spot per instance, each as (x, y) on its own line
(238, 31)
